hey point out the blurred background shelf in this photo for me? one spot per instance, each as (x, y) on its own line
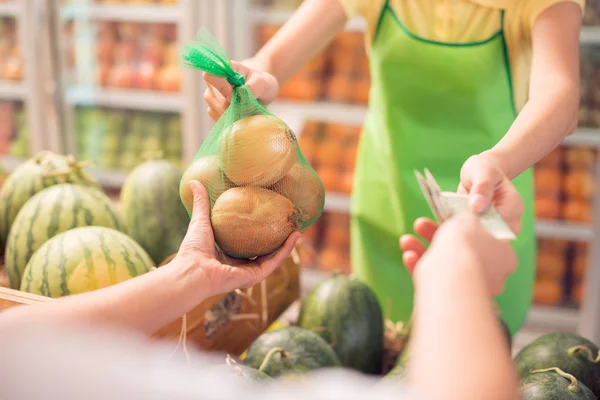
(590, 35)
(270, 16)
(123, 12)
(564, 230)
(322, 111)
(9, 9)
(587, 137)
(10, 90)
(10, 163)
(129, 99)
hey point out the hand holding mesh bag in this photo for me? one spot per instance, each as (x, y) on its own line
(261, 187)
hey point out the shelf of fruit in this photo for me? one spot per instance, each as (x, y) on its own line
(135, 66)
(129, 99)
(133, 11)
(117, 141)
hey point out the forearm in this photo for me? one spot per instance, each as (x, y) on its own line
(552, 110)
(457, 342)
(540, 127)
(311, 28)
(143, 304)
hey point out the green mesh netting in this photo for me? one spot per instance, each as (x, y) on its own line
(260, 185)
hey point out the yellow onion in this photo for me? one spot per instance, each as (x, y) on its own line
(302, 186)
(258, 150)
(207, 171)
(252, 221)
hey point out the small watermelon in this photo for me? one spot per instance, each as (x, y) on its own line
(346, 313)
(554, 384)
(50, 212)
(43, 170)
(153, 211)
(290, 351)
(571, 353)
(84, 259)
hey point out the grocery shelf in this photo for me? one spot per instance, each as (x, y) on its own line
(9, 9)
(130, 99)
(146, 13)
(338, 202)
(11, 90)
(322, 111)
(564, 230)
(271, 16)
(585, 137)
(9, 162)
(590, 35)
(109, 178)
(559, 318)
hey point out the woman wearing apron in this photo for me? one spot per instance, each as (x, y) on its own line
(477, 91)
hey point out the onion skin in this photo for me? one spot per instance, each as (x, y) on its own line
(258, 151)
(251, 221)
(207, 171)
(302, 186)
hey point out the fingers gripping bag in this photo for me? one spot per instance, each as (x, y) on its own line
(261, 187)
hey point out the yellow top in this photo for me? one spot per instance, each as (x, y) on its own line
(463, 21)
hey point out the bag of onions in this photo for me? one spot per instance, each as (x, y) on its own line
(260, 185)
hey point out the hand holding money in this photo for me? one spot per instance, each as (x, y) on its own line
(447, 204)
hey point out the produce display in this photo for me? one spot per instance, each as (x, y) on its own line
(63, 235)
(560, 271)
(260, 185)
(570, 353)
(346, 313)
(84, 259)
(14, 134)
(123, 139)
(158, 222)
(339, 74)
(41, 171)
(565, 184)
(11, 60)
(290, 351)
(128, 55)
(50, 212)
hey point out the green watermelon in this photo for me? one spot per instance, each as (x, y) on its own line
(346, 313)
(554, 384)
(571, 353)
(50, 212)
(153, 211)
(290, 351)
(84, 259)
(43, 170)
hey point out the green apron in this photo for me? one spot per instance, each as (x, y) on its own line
(432, 105)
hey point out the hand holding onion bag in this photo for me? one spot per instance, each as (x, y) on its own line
(261, 187)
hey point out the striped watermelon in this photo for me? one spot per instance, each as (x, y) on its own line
(43, 170)
(346, 313)
(84, 259)
(50, 212)
(152, 208)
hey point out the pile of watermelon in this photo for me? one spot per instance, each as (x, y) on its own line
(61, 234)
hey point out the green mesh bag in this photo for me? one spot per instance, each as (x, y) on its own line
(260, 185)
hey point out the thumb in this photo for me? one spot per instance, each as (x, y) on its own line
(199, 236)
(201, 206)
(483, 185)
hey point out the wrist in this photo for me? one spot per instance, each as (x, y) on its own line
(438, 269)
(189, 278)
(502, 161)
